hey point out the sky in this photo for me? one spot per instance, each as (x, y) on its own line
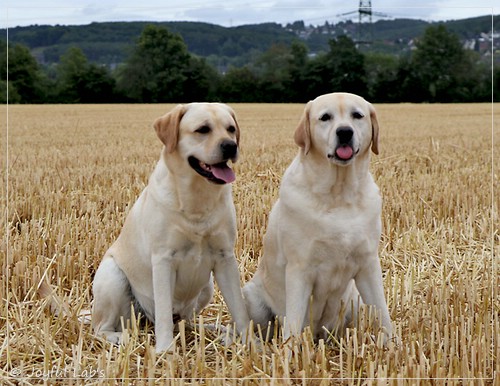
(229, 13)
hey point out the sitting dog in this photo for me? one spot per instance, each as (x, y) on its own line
(180, 230)
(320, 248)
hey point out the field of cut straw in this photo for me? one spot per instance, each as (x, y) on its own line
(74, 171)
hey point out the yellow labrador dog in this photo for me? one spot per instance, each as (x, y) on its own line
(180, 230)
(321, 243)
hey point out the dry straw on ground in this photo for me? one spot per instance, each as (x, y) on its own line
(74, 172)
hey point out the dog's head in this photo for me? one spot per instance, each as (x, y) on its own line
(205, 135)
(339, 126)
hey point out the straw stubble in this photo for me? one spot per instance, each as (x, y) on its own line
(74, 171)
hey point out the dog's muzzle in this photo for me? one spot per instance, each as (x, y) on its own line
(344, 151)
(218, 173)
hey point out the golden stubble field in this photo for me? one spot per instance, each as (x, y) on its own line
(75, 170)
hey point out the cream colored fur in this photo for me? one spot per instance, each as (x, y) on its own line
(320, 249)
(179, 233)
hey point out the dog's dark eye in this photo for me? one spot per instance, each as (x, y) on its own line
(357, 115)
(231, 129)
(203, 130)
(325, 117)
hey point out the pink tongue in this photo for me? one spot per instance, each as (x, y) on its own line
(344, 152)
(223, 172)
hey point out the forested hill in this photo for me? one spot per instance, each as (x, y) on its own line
(111, 42)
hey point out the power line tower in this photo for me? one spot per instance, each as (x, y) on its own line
(365, 25)
(365, 32)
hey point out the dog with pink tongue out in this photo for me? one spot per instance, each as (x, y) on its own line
(320, 256)
(179, 233)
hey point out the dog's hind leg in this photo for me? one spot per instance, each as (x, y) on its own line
(112, 300)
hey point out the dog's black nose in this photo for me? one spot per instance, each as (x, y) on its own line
(229, 149)
(344, 133)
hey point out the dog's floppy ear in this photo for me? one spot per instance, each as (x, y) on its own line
(233, 115)
(373, 117)
(302, 134)
(167, 127)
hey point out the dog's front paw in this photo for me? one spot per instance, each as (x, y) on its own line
(227, 335)
(115, 337)
(162, 347)
(388, 340)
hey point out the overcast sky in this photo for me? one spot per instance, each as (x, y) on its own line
(229, 12)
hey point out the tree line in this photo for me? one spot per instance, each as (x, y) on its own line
(160, 69)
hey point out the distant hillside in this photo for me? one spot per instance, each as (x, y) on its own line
(110, 43)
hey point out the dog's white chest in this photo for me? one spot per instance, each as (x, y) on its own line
(333, 252)
(192, 254)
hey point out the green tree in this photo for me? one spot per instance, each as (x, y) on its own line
(239, 85)
(83, 82)
(156, 70)
(440, 67)
(410, 89)
(25, 83)
(201, 81)
(72, 66)
(96, 85)
(382, 77)
(347, 66)
(496, 83)
(475, 80)
(340, 69)
(297, 64)
(272, 69)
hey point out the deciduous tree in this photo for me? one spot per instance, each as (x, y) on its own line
(25, 80)
(156, 70)
(440, 66)
(82, 82)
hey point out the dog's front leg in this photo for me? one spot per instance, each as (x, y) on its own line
(371, 288)
(227, 277)
(163, 287)
(298, 289)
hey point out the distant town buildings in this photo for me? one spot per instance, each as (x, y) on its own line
(485, 43)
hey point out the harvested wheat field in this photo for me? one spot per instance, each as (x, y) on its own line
(75, 170)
